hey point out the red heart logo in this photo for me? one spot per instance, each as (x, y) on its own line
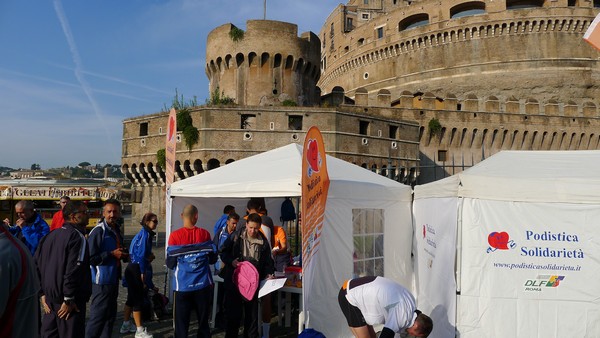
(171, 128)
(498, 240)
(312, 155)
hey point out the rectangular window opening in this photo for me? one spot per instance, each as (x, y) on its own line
(144, 129)
(363, 127)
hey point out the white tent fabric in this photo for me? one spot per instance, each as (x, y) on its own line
(277, 174)
(527, 247)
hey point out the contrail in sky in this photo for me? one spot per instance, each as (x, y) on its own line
(79, 72)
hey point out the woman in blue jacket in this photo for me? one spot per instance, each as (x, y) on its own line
(138, 275)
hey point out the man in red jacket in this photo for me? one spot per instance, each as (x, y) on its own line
(57, 219)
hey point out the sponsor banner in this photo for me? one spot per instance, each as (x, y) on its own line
(538, 251)
(315, 186)
(56, 192)
(534, 265)
(435, 236)
(170, 148)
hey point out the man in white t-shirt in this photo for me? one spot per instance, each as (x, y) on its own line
(371, 300)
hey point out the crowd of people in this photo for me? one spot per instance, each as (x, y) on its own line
(51, 273)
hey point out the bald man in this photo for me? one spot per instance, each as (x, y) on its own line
(189, 253)
(30, 226)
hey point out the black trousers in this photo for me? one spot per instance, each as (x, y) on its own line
(103, 311)
(135, 287)
(185, 303)
(52, 326)
(234, 306)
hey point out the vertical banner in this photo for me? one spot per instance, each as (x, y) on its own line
(592, 35)
(315, 185)
(170, 147)
(435, 252)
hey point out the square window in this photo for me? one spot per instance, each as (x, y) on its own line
(365, 16)
(295, 122)
(442, 154)
(248, 121)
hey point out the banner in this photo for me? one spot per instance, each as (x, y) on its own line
(592, 35)
(170, 148)
(315, 185)
(56, 192)
(435, 253)
(533, 264)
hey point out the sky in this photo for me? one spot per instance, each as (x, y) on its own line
(71, 71)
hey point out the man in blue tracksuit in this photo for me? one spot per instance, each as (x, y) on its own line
(190, 252)
(30, 226)
(106, 253)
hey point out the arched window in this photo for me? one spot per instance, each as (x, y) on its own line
(413, 21)
(467, 9)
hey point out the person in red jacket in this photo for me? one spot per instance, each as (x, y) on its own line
(57, 219)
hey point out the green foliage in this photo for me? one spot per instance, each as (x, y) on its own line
(179, 102)
(84, 164)
(161, 157)
(434, 126)
(236, 34)
(191, 136)
(219, 98)
(35, 166)
(289, 103)
(184, 119)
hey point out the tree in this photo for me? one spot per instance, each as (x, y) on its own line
(84, 164)
(35, 166)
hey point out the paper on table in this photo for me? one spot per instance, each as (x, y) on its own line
(269, 285)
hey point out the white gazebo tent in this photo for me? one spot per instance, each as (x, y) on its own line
(362, 207)
(521, 230)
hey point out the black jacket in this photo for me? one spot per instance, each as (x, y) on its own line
(232, 249)
(63, 262)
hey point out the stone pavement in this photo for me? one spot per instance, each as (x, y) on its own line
(163, 327)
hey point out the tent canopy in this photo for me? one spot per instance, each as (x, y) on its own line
(277, 173)
(361, 207)
(528, 176)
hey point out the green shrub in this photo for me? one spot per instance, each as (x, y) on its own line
(161, 157)
(236, 34)
(434, 126)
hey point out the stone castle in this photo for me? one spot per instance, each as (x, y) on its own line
(414, 90)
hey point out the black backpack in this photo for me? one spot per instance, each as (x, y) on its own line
(288, 212)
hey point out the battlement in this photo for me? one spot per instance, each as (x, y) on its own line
(264, 65)
(472, 103)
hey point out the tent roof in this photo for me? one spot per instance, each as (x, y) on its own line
(537, 176)
(277, 173)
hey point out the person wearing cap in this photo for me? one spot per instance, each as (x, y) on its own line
(371, 300)
(190, 252)
(247, 244)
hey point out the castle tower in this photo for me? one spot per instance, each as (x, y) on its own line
(265, 65)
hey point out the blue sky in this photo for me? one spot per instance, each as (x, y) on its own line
(72, 70)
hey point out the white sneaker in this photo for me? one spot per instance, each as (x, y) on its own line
(142, 334)
(128, 327)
